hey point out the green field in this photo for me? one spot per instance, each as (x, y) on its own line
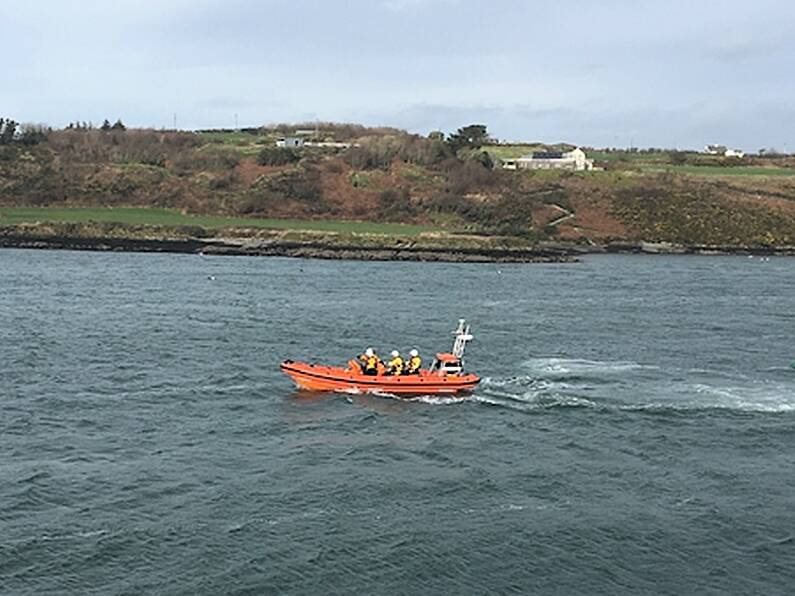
(231, 137)
(167, 217)
(237, 142)
(629, 156)
(721, 170)
(504, 152)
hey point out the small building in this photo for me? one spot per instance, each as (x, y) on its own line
(290, 142)
(715, 149)
(723, 150)
(574, 160)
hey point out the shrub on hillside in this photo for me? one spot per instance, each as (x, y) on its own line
(677, 158)
(223, 181)
(8, 153)
(32, 134)
(395, 203)
(85, 145)
(373, 154)
(467, 177)
(506, 215)
(335, 167)
(380, 152)
(302, 184)
(205, 160)
(254, 204)
(277, 156)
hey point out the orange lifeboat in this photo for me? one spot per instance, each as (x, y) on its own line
(445, 376)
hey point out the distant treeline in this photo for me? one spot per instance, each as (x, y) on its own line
(321, 131)
(12, 131)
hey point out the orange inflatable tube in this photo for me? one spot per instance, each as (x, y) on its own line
(316, 377)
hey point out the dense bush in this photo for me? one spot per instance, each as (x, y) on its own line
(224, 181)
(87, 145)
(677, 157)
(277, 156)
(207, 159)
(505, 215)
(8, 153)
(468, 176)
(302, 184)
(395, 203)
(371, 154)
(22, 134)
(380, 152)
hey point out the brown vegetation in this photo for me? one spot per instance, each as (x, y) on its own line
(389, 175)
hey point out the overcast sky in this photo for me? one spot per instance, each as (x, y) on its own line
(678, 73)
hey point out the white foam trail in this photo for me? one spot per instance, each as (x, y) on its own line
(653, 392)
(92, 534)
(380, 393)
(750, 399)
(349, 391)
(697, 406)
(437, 400)
(534, 383)
(581, 366)
(534, 401)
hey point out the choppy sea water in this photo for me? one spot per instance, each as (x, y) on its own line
(634, 432)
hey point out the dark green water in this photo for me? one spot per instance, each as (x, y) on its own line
(634, 434)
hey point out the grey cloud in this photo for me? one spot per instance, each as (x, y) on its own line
(669, 73)
(738, 51)
(684, 127)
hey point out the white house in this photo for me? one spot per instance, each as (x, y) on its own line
(551, 160)
(290, 142)
(723, 150)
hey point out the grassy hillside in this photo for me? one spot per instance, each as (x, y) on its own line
(148, 216)
(389, 182)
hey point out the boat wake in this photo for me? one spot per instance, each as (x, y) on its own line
(529, 393)
(434, 400)
(558, 383)
(552, 383)
(564, 366)
(439, 400)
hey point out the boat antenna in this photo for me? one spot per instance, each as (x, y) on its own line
(462, 336)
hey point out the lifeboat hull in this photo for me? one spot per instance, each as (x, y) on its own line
(316, 377)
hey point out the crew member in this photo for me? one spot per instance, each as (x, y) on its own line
(396, 364)
(369, 362)
(414, 363)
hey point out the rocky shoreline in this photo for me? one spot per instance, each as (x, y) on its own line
(279, 247)
(320, 246)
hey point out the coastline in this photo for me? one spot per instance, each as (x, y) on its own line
(299, 244)
(451, 249)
